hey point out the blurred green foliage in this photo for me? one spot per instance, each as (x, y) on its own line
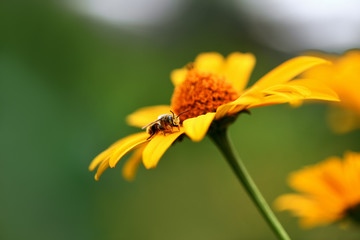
(66, 84)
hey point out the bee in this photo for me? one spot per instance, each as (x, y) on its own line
(165, 123)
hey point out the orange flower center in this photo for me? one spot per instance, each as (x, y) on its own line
(201, 93)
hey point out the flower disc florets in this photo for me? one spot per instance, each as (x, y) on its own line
(201, 93)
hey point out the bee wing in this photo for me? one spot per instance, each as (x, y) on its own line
(150, 123)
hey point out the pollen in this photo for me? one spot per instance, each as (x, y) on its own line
(201, 93)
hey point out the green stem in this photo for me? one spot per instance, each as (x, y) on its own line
(222, 141)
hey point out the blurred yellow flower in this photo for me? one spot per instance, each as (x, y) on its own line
(344, 77)
(329, 191)
(210, 89)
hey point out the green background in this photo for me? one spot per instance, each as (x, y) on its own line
(66, 85)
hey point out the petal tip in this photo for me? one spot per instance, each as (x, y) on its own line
(128, 177)
(96, 177)
(197, 138)
(148, 165)
(197, 127)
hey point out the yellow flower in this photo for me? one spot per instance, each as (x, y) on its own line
(344, 77)
(210, 89)
(330, 191)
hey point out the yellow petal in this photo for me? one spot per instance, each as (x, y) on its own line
(343, 77)
(274, 99)
(157, 147)
(329, 57)
(294, 92)
(196, 128)
(287, 89)
(132, 164)
(236, 106)
(284, 93)
(286, 71)
(238, 68)
(223, 110)
(146, 115)
(297, 203)
(318, 90)
(351, 176)
(104, 155)
(209, 62)
(177, 76)
(103, 166)
(324, 181)
(127, 145)
(311, 212)
(99, 158)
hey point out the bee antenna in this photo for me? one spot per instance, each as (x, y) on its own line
(172, 113)
(183, 112)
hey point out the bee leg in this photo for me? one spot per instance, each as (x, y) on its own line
(151, 136)
(178, 127)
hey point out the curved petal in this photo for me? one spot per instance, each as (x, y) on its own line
(295, 202)
(318, 90)
(146, 115)
(196, 128)
(351, 168)
(236, 106)
(287, 89)
(132, 164)
(223, 110)
(311, 211)
(238, 68)
(157, 147)
(205, 62)
(177, 76)
(99, 158)
(294, 92)
(103, 166)
(324, 181)
(209, 62)
(126, 145)
(286, 71)
(351, 176)
(323, 55)
(104, 155)
(275, 99)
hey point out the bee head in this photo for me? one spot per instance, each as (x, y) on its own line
(176, 119)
